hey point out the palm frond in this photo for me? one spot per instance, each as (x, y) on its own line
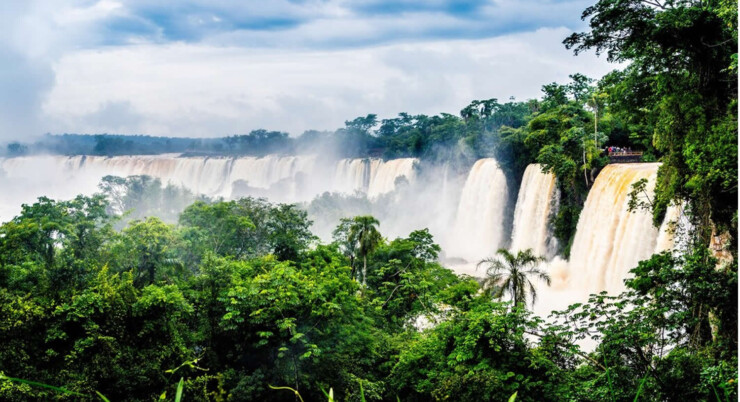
(509, 273)
(533, 292)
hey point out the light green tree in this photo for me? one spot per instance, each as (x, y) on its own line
(509, 273)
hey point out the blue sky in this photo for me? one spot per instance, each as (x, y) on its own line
(195, 21)
(209, 68)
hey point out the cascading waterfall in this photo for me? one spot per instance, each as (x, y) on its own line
(266, 172)
(608, 242)
(281, 178)
(537, 202)
(351, 175)
(383, 175)
(479, 226)
(672, 230)
(609, 239)
(372, 176)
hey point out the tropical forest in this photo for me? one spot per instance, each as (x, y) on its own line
(576, 245)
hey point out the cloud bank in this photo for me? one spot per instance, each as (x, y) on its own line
(212, 68)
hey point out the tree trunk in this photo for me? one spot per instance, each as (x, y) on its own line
(352, 266)
(585, 177)
(364, 271)
(596, 125)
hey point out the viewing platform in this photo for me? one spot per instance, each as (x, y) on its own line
(625, 157)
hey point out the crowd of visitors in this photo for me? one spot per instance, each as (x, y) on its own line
(617, 150)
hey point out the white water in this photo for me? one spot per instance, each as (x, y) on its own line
(383, 175)
(351, 175)
(479, 226)
(266, 171)
(468, 223)
(536, 204)
(282, 178)
(609, 239)
(372, 176)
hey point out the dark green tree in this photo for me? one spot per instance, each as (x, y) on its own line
(364, 233)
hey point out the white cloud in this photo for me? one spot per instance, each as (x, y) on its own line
(97, 11)
(194, 90)
(205, 67)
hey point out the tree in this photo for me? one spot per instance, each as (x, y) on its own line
(224, 228)
(362, 124)
(136, 197)
(364, 233)
(43, 229)
(478, 354)
(146, 247)
(341, 236)
(680, 89)
(509, 274)
(290, 232)
(16, 149)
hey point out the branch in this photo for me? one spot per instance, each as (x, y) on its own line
(655, 3)
(715, 45)
(391, 295)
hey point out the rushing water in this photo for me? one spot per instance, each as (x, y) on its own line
(610, 239)
(479, 225)
(468, 220)
(384, 175)
(535, 206)
(286, 178)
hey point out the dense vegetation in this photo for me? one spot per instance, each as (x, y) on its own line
(235, 296)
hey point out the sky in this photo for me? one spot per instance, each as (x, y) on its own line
(208, 68)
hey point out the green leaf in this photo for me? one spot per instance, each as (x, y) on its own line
(180, 385)
(102, 397)
(42, 385)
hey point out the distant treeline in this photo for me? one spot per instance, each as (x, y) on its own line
(476, 132)
(120, 144)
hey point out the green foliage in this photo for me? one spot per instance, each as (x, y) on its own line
(106, 306)
(680, 90)
(676, 324)
(245, 228)
(107, 313)
(509, 273)
(477, 354)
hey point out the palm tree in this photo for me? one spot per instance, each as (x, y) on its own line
(509, 273)
(364, 233)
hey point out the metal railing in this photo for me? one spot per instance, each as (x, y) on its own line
(625, 157)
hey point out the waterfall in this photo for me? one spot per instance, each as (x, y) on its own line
(371, 175)
(609, 239)
(673, 230)
(479, 226)
(384, 174)
(536, 203)
(280, 178)
(351, 175)
(267, 171)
